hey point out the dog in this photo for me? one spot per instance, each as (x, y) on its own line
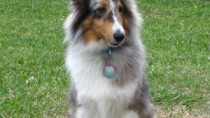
(106, 60)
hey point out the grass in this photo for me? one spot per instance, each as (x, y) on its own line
(33, 82)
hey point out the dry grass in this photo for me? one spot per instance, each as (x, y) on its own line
(179, 112)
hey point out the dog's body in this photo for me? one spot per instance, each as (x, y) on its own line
(100, 32)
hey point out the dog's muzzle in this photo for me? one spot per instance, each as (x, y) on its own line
(119, 39)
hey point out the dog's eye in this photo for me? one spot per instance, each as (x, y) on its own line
(98, 13)
(100, 10)
(120, 9)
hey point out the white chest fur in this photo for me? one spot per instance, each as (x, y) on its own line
(97, 95)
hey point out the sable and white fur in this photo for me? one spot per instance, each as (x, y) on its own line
(92, 95)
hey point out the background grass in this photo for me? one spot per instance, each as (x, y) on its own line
(33, 82)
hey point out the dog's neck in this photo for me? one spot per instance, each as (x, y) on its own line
(110, 49)
(109, 69)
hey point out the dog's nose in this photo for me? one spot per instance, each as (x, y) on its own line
(118, 36)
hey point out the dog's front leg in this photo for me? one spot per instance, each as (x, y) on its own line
(88, 111)
(81, 113)
(131, 114)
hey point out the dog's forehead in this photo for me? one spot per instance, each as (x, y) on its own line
(97, 3)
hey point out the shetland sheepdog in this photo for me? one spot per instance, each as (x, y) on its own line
(106, 60)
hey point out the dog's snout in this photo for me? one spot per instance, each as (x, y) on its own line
(118, 36)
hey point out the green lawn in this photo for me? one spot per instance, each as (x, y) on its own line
(33, 82)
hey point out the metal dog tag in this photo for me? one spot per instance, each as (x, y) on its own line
(110, 71)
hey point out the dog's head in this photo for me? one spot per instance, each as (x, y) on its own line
(107, 20)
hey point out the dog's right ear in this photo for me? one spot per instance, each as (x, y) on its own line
(79, 4)
(76, 3)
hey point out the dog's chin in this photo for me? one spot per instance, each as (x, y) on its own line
(115, 44)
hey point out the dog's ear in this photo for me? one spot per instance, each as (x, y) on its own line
(76, 3)
(79, 4)
(81, 9)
